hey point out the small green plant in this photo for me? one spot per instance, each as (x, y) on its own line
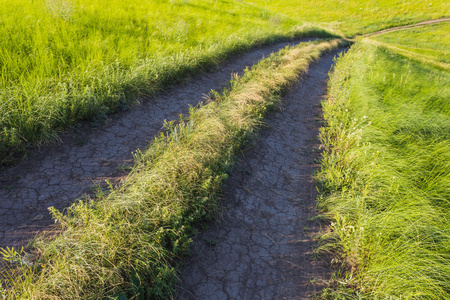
(64, 61)
(211, 242)
(13, 256)
(80, 142)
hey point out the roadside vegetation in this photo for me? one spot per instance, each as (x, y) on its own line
(353, 17)
(62, 61)
(385, 173)
(127, 243)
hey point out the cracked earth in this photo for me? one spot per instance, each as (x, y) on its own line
(261, 245)
(59, 174)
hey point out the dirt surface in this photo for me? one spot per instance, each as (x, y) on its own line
(261, 245)
(421, 24)
(57, 175)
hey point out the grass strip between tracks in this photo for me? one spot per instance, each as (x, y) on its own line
(127, 244)
(385, 175)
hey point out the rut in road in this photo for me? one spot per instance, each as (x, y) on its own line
(261, 244)
(57, 175)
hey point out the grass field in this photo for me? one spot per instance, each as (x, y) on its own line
(431, 41)
(63, 61)
(356, 17)
(385, 174)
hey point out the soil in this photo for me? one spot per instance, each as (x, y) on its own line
(261, 246)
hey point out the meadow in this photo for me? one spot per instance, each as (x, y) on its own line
(385, 174)
(431, 42)
(64, 61)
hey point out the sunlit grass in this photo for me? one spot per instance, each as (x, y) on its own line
(356, 17)
(385, 174)
(66, 60)
(127, 243)
(433, 41)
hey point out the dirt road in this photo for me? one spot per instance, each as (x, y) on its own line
(57, 175)
(261, 245)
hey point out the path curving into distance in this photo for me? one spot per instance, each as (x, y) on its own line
(260, 247)
(59, 174)
(421, 24)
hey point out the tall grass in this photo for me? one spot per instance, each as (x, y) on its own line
(385, 174)
(354, 17)
(62, 61)
(126, 244)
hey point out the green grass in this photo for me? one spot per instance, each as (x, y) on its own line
(384, 178)
(432, 41)
(62, 61)
(356, 17)
(385, 175)
(127, 244)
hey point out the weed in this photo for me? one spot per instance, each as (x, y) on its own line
(124, 168)
(64, 61)
(80, 142)
(211, 242)
(246, 172)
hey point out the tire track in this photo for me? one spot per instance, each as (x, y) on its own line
(260, 247)
(421, 24)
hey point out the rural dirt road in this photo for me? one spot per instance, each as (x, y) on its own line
(261, 244)
(421, 24)
(59, 174)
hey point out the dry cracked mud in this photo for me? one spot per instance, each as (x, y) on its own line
(59, 174)
(261, 245)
